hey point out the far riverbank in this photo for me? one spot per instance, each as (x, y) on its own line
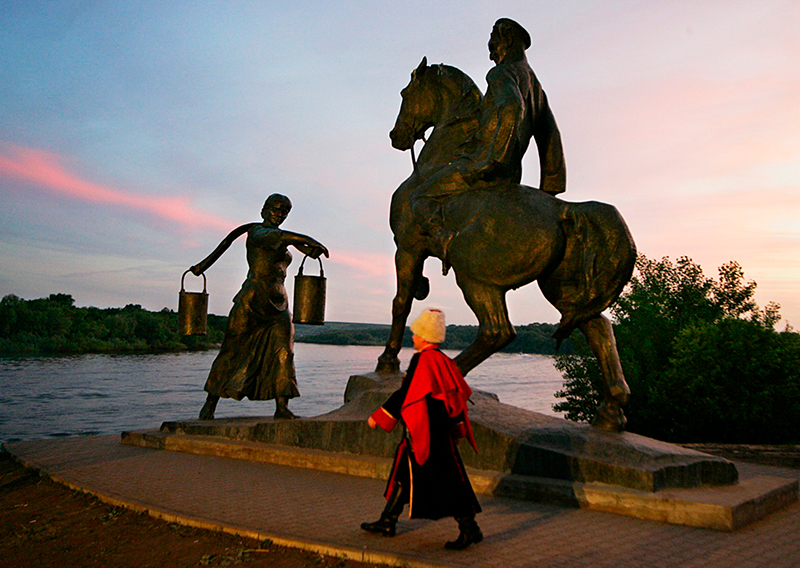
(55, 326)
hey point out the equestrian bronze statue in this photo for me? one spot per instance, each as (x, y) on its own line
(464, 205)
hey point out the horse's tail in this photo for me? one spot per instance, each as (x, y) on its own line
(565, 329)
(598, 262)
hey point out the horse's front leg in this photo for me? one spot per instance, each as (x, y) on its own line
(409, 280)
(600, 336)
(494, 328)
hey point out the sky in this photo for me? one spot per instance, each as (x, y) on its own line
(135, 135)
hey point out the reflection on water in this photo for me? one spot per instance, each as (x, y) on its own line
(102, 394)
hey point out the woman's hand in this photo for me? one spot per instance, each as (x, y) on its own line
(459, 430)
(304, 244)
(316, 250)
(372, 423)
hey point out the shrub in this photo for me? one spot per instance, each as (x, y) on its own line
(704, 363)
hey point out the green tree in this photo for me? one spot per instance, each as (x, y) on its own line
(9, 306)
(55, 325)
(704, 363)
(582, 386)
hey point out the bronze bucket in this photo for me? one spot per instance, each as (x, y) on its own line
(193, 310)
(309, 297)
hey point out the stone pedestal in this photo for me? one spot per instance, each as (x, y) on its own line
(522, 454)
(510, 440)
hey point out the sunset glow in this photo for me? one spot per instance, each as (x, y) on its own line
(44, 171)
(135, 138)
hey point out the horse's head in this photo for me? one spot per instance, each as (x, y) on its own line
(417, 111)
(433, 92)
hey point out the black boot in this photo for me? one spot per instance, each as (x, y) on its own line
(387, 524)
(470, 534)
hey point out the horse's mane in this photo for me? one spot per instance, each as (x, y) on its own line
(462, 87)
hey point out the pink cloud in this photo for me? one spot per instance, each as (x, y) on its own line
(365, 265)
(44, 170)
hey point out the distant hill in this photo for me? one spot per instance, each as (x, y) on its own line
(531, 338)
(54, 325)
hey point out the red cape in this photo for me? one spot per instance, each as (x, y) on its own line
(436, 375)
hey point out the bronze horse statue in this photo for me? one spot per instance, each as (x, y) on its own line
(505, 236)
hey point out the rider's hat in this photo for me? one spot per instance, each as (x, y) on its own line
(517, 30)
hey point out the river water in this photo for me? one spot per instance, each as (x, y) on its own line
(43, 397)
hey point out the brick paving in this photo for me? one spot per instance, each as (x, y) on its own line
(322, 511)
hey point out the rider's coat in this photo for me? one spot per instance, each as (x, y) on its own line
(515, 109)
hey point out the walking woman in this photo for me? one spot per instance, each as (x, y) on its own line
(428, 473)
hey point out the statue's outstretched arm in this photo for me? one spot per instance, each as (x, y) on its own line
(305, 244)
(206, 263)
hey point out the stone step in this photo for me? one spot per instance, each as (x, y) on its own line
(724, 508)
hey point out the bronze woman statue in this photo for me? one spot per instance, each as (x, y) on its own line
(256, 359)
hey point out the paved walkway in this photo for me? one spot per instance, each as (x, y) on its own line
(322, 511)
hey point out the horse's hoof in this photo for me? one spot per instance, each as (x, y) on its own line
(389, 365)
(610, 418)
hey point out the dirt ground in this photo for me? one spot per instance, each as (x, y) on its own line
(45, 524)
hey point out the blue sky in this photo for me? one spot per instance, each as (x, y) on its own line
(134, 135)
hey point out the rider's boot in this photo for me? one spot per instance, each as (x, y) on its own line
(207, 412)
(439, 237)
(440, 246)
(422, 289)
